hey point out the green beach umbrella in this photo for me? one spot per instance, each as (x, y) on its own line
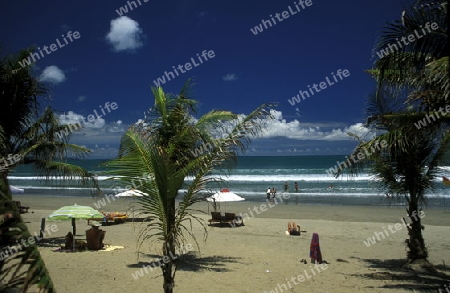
(75, 212)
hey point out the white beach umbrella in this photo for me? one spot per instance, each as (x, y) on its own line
(131, 193)
(223, 196)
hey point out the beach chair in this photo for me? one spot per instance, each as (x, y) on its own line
(110, 218)
(234, 220)
(229, 218)
(216, 218)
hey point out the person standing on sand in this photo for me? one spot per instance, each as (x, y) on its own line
(268, 192)
(286, 186)
(296, 186)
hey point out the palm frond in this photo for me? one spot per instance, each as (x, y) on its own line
(21, 266)
(159, 153)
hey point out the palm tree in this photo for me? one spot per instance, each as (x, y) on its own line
(403, 161)
(159, 149)
(412, 84)
(422, 66)
(29, 138)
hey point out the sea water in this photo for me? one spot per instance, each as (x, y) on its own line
(250, 178)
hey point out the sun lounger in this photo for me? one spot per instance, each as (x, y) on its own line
(116, 217)
(111, 218)
(229, 218)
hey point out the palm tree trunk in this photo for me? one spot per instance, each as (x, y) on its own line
(5, 214)
(416, 244)
(169, 251)
(169, 282)
(8, 210)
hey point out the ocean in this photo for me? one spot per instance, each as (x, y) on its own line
(250, 179)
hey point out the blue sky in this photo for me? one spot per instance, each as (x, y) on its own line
(117, 58)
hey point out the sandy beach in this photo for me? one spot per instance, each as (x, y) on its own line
(257, 257)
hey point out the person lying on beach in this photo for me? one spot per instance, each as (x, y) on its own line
(293, 229)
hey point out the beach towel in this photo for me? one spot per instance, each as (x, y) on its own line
(314, 250)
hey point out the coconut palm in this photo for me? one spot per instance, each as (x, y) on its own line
(422, 66)
(403, 161)
(412, 84)
(28, 136)
(159, 149)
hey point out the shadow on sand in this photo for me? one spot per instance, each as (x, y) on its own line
(52, 241)
(224, 225)
(191, 262)
(429, 279)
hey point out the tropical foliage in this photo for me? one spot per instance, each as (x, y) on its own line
(27, 136)
(412, 85)
(158, 152)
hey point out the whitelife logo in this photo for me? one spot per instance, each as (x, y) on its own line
(24, 243)
(397, 226)
(300, 278)
(124, 10)
(323, 85)
(360, 156)
(285, 14)
(184, 68)
(25, 62)
(423, 123)
(10, 161)
(91, 118)
(155, 263)
(411, 38)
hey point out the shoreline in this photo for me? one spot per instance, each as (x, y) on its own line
(282, 210)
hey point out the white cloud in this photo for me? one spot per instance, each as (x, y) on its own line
(279, 127)
(101, 137)
(116, 127)
(73, 118)
(124, 34)
(280, 137)
(52, 74)
(298, 131)
(90, 126)
(229, 77)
